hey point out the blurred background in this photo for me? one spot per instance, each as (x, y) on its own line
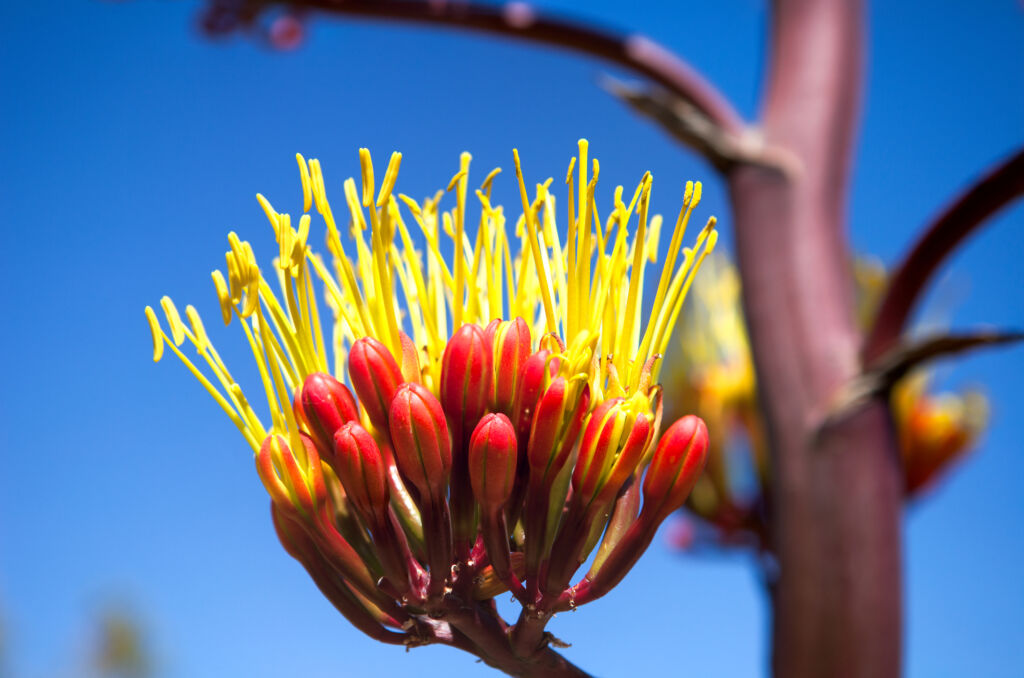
(130, 512)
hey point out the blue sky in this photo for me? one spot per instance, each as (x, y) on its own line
(129, 146)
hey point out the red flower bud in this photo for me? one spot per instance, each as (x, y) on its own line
(362, 471)
(613, 444)
(466, 375)
(295, 484)
(675, 466)
(530, 384)
(325, 405)
(375, 377)
(510, 341)
(556, 426)
(419, 433)
(492, 461)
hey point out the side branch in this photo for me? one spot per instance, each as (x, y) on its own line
(521, 21)
(683, 122)
(883, 373)
(993, 192)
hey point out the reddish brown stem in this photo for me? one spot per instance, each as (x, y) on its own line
(997, 189)
(535, 520)
(437, 533)
(836, 496)
(483, 627)
(301, 547)
(463, 507)
(521, 21)
(348, 605)
(528, 633)
(495, 538)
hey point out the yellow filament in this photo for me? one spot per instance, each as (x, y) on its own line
(545, 288)
(581, 296)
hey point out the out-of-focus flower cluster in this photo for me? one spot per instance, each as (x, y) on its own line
(419, 472)
(712, 374)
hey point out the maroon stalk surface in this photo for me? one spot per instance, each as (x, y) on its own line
(836, 497)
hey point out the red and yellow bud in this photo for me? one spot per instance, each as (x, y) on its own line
(492, 461)
(556, 426)
(613, 444)
(419, 433)
(616, 436)
(466, 375)
(295, 484)
(675, 467)
(493, 454)
(510, 342)
(363, 473)
(375, 377)
(534, 374)
(325, 405)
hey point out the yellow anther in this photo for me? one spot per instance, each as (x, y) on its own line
(455, 180)
(653, 236)
(485, 187)
(413, 206)
(272, 215)
(174, 320)
(285, 237)
(158, 335)
(303, 234)
(366, 168)
(316, 178)
(198, 331)
(236, 245)
(307, 189)
(389, 179)
(223, 296)
(568, 172)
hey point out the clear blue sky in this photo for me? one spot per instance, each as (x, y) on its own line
(129, 146)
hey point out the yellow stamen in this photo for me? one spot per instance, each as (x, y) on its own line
(307, 190)
(154, 328)
(581, 296)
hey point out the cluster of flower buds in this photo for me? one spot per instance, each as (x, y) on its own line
(506, 476)
(418, 476)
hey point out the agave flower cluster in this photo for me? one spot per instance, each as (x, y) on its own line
(422, 471)
(713, 376)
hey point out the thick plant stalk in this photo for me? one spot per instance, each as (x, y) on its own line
(837, 495)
